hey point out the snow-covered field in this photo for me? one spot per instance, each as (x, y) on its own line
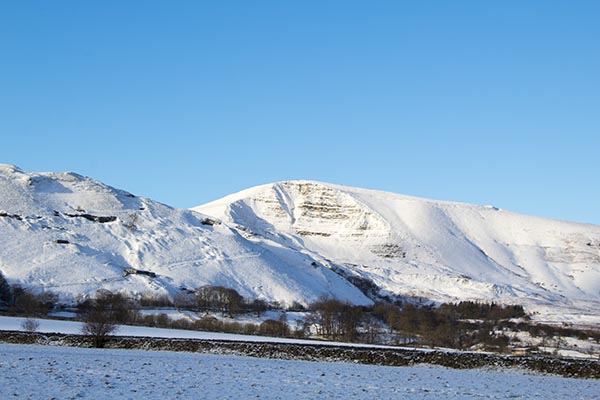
(34, 372)
(74, 328)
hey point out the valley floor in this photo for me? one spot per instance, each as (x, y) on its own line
(28, 371)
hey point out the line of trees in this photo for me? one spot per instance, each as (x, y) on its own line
(219, 298)
(106, 310)
(336, 320)
(456, 325)
(211, 298)
(450, 324)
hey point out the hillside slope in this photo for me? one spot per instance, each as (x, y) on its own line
(73, 235)
(442, 251)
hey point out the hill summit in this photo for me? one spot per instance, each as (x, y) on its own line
(439, 250)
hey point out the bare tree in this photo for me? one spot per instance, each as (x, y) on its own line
(102, 313)
(30, 325)
(99, 326)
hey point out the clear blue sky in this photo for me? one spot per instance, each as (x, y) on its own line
(184, 102)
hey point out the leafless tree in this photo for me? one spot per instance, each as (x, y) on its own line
(30, 325)
(102, 313)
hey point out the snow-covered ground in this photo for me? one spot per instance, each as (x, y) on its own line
(74, 328)
(568, 347)
(34, 372)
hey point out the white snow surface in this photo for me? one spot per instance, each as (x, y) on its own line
(37, 209)
(27, 372)
(439, 250)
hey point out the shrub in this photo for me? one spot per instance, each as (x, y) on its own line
(30, 325)
(99, 326)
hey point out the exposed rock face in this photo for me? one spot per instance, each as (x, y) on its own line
(309, 209)
(388, 250)
(320, 210)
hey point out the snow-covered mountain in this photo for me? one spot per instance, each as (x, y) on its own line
(438, 250)
(73, 235)
(294, 241)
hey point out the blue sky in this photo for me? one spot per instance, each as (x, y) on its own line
(184, 102)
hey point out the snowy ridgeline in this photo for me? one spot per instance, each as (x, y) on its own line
(437, 250)
(26, 371)
(72, 235)
(294, 242)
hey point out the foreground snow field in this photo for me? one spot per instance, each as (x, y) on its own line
(33, 372)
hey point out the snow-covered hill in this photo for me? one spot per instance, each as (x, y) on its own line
(442, 251)
(294, 241)
(73, 235)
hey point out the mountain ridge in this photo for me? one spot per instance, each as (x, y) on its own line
(239, 194)
(54, 240)
(441, 250)
(295, 241)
